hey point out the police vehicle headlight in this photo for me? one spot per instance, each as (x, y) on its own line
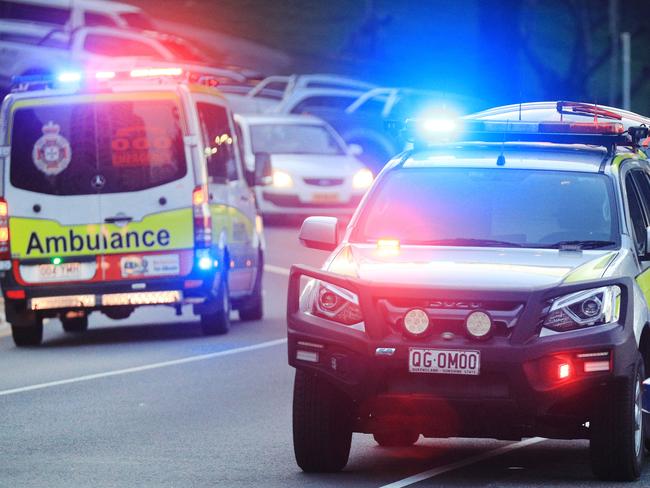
(582, 309)
(337, 304)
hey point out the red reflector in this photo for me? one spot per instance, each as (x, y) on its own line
(16, 294)
(192, 283)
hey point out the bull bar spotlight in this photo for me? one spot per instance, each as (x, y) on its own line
(479, 325)
(416, 321)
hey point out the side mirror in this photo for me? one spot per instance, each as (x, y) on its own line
(263, 174)
(355, 149)
(319, 233)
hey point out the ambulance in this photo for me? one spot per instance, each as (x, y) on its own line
(125, 189)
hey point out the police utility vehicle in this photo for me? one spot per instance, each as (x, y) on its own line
(123, 189)
(494, 282)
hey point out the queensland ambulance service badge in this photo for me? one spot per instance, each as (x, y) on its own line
(51, 153)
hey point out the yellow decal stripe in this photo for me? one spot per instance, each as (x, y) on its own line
(643, 280)
(39, 238)
(591, 270)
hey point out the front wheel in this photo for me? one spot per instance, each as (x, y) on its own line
(322, 424)
(216, 321)
(253, 307)
(616, 445)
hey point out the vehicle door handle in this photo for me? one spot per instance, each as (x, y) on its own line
(118, 218)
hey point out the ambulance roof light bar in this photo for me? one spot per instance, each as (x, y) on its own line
(74, 79)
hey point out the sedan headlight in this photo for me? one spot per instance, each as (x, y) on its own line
(282, 179)
(582, 309)
(362, 179)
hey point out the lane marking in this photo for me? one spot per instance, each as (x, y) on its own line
(146, 367)
(276, 269)
(425, 475)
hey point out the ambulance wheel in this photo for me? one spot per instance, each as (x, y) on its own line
(253, 307)
(30, 334)
(322, 425)
(217, 320)
(75, 324)
(616, 445)
(398, 438)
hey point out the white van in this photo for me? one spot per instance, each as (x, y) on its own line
(127, 190)
(72, 14)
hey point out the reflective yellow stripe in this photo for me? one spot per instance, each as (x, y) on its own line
(39, 238)
(591, 270)
(643, 280)
(239, 228)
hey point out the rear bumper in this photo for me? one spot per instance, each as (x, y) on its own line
(512, 397)
(51, 299)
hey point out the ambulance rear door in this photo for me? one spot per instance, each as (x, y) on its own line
(53, 201)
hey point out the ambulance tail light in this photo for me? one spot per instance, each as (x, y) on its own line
(4, 230)
(202, 218)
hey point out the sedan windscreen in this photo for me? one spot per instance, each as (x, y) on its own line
(294, 139)
(107, 147)
(491, 207)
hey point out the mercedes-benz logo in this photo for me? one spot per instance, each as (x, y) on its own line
(98, 182)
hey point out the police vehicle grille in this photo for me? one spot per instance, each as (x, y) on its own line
(448, 315)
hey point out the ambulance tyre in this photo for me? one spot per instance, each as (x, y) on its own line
(322, 424)
(217, 320)
(616, 445)
(27, 331)
(253, 307)
(75, 325)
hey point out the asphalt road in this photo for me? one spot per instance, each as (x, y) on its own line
(150, 402)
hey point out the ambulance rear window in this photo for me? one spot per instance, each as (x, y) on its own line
(108, 147)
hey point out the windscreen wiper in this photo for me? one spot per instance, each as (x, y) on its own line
(463, 241)
(568, 245)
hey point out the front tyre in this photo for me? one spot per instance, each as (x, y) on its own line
(616, 445)
(322, 424)
(216, 321)
(253, 307)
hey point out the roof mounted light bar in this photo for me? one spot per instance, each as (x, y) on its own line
(607, 134)
(76, 79)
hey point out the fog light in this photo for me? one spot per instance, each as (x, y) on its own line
(479, 325)
(416, 321)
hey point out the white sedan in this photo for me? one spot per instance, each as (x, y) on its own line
(314, 171)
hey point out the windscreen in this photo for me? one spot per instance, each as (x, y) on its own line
(107, 147)
(294, 139)
(490, 207)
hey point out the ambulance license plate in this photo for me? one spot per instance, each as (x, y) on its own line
(63, 271)
(332, 197)
(443, 361)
